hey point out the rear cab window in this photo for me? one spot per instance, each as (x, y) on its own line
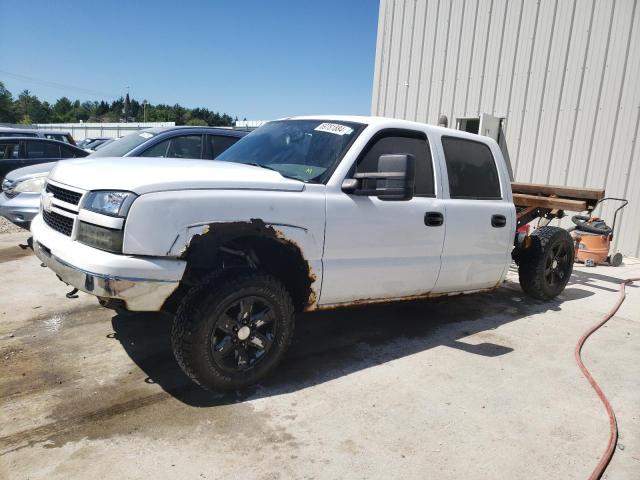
(471, 169)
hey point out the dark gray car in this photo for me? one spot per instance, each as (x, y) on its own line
(173, 142)
(18, 152)
(59, 135)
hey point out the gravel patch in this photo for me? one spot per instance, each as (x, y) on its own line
(7, 227)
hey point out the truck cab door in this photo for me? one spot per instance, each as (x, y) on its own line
(479, 217)
(384, 249)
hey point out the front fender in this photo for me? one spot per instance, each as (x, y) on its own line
(165, 223)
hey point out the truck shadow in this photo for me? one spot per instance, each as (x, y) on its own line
(331, 344)
(596, 280)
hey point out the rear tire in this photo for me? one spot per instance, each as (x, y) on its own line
(232, 331)
(545, 267)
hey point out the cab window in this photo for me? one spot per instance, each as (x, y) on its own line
(401, 142)
(471, 169)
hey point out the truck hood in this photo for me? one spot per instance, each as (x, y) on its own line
(146, 175)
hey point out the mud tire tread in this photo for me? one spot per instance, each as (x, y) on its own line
(191, 319)
(531, 262)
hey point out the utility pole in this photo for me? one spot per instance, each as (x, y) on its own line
(144, 110)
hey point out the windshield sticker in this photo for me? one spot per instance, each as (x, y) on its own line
(146, 135)
(334, 128)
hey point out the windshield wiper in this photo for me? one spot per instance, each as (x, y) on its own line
(253, 164)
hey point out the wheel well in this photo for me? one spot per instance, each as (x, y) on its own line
(243, 245)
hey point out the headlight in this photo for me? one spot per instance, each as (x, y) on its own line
(7, 186)
(100, 237)
(31, 185)
(115, 204)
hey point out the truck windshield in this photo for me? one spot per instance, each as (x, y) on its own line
(305, 150)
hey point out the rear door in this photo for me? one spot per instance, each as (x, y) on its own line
(479, 217)
(381, 249)
(9, 156)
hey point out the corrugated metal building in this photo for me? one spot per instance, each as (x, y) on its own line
(562, 75)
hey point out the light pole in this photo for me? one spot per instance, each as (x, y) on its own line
(144, 110)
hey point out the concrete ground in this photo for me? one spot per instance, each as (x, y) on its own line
(482, 386)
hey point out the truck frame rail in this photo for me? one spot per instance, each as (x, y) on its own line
(535, 200)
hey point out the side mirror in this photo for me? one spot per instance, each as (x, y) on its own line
(394, 180)
(350, 185)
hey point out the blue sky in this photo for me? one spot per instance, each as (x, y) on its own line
(255, 59)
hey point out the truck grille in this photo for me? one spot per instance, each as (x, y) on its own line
(58, 222)
(64, 195)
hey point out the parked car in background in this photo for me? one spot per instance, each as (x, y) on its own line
(173, 142)
(20, 199)
(98, 147)
(21, 190)
(59, 135)
(91, 143)
(17, 152)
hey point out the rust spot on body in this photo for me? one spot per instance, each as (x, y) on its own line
(418, 296)
(276, 253)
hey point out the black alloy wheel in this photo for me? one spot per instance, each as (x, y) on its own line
(232, 331)
(557, 265)
(545, 266)
(243, 334)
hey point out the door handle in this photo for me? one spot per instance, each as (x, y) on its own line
(433, 219)
(498, 221)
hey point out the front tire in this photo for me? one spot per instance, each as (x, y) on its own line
(232, 331)
(545, 267)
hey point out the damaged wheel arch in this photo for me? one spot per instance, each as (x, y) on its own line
(250, 244)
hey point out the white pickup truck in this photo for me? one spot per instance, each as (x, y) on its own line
(304, 213)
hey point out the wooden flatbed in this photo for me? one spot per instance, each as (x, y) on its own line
(534, 200)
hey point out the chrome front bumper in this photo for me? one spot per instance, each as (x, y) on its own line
(138, 294)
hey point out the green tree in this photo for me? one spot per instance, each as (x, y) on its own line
(28, 105)
(28, 108)
(197, 122)
(62, 110)
(7, 112)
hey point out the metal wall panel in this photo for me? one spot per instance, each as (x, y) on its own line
(562, 73)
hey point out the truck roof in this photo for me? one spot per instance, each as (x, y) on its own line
(394, 123)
